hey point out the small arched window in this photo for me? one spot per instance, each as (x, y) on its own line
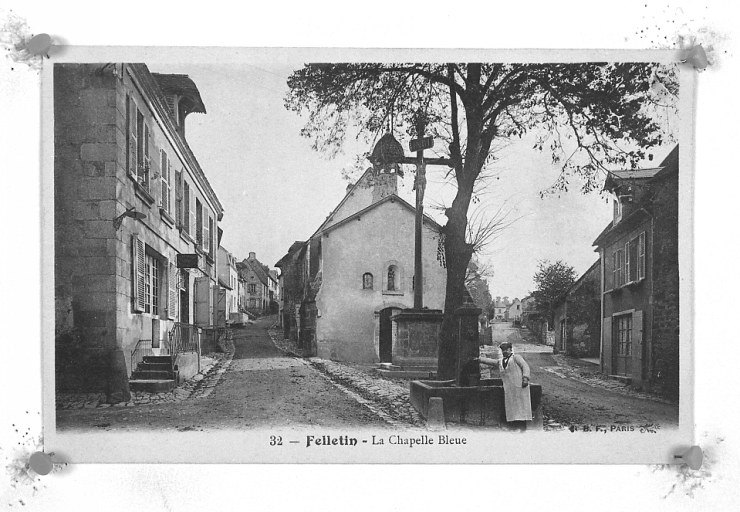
(367, 281)
(392, 278)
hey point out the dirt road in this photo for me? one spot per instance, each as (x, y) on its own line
(261, 388)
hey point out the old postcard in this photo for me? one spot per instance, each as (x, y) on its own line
(328, 255)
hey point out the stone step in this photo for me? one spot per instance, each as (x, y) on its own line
(152, 374)
(152, 385)
(158, 359)
(155, 366)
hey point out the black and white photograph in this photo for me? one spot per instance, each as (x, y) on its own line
(416, 251)
(326, 256)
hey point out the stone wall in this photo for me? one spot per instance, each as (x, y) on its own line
(86, 131)
(664, 356)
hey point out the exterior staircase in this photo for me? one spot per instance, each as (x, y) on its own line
(154, 374)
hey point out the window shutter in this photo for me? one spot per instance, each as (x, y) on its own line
(163, 178)
(169, 186)
(606, 349)
(132, 138)
(627, 273)
(192, 216)
(637, 333)
(178, 198)
(147, 162)
(174, 288)
(641, 256)
(138, 269)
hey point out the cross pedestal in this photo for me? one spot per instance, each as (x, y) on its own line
(417, 336)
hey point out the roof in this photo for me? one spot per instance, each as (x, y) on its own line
(183, 86)
(223, 284)
(667, 167)
(578, 282)
(293, 248)
(258, 269)
(669, 164)
(390, 198)
(151, 88)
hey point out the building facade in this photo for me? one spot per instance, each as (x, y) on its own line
(130, 199)
(357, 271)
(577, 316)
(514, 311)
(228, 279)
(261, 288)
(640, 282)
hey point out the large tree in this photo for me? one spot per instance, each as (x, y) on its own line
(552, 281)
(589, 116)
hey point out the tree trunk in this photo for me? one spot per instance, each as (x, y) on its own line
(457, 257)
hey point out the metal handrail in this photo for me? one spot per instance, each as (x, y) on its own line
(143, 348)
(182, 338)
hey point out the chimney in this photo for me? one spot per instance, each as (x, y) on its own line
(252, 256)
(384, 184)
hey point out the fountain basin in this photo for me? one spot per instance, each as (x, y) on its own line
(481, 405)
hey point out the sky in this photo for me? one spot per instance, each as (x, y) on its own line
(275, 189)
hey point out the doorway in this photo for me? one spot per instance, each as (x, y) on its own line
(622, 336)
(184, 296)
(385, 338)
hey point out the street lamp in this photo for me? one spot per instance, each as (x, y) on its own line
(130, 212)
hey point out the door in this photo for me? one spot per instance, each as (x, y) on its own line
(184, 296)
(385, 340)
(220, 306)
(622, 341)
(203, 302)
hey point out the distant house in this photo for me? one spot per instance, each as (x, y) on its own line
(578, 316)
(514, 311)
(639, 255)
(227, 307)
(293, 289)
(261, 286)
(500, 309)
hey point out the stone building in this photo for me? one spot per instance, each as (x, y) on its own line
(344, 284)
(640, 283)
(261, 286)
(135, 222)
(578, 316)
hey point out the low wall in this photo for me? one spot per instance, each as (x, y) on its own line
(475, 405)
(188, 364)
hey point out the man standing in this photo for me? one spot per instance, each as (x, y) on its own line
(514, 372)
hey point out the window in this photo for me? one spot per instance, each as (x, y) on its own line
(209, 237)
(635, 250)
(617, 210)
(252, 288)
(149, 273)
(166, 182)
(392, 278)
(623, 334)
(142, 151)
(151, 285)
(618, 262)
(131, 135)
(198, 222)
(367, 281)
